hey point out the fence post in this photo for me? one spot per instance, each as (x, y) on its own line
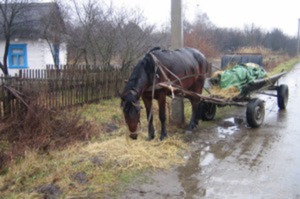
(7, 98)
(86, 88)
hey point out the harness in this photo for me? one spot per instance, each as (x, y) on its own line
(162, 68)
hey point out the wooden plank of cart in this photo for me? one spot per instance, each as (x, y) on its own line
(255, 112)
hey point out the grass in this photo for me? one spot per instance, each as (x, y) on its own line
(109, 160)
(287, 66)
(106, 163)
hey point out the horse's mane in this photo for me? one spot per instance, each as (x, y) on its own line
(144, 69)
(154, 49)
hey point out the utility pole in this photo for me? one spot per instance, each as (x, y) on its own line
(177, 42)
(298, 43)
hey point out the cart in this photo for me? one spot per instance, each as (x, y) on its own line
(255, 112)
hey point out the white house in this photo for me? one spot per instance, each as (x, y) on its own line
(38, 45)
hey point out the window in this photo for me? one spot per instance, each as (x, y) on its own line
(56, 54)
(17, 56)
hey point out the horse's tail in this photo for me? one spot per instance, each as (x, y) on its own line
(204, 66)
(208, 67)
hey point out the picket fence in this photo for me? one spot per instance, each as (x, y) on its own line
(59, 87)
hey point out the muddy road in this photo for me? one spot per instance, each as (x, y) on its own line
(231, 160)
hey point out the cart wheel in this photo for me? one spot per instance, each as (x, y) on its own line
(207, 111)
(282, 96)
(255, 112)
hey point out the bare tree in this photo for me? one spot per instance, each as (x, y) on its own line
(134, 39)
(53, 29)
(105, 36)
(199, 35)
(11, 22)
(102, 34)
(254, 35)
(82, 31)
(275, 40)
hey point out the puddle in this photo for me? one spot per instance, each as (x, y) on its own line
(229, 127)
(206, 157)
(209, 157)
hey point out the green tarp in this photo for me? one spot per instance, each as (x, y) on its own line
(240, 75)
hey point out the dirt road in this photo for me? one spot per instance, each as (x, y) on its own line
(231, 160)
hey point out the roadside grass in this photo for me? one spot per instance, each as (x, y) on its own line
(107, 162)
(106, 165)
(287, 66)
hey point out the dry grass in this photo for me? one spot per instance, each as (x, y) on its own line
(105, 164)
(271, 59)
(107, 160)
(129, 154)
(225, 93)
(257, 49)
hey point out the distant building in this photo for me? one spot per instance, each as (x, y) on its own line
(37, 41)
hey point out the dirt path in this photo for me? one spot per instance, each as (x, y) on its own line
(231, 160)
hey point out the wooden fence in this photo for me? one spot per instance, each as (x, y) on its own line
(58, 88)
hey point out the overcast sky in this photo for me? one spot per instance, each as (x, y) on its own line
(266, 14)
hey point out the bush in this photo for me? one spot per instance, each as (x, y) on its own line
(37, 128)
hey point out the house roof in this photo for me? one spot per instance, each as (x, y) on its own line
(33, 19)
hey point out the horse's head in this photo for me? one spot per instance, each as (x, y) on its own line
(131, 109)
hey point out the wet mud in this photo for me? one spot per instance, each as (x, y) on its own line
(231, 160)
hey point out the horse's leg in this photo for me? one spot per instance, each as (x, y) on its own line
(148, 104)
(195, 116)
(162, 114)
(195, 104)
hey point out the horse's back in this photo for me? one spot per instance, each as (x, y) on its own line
(182, 61)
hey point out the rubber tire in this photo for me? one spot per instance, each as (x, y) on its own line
(207, 111)
(255, 113)
(282, 96)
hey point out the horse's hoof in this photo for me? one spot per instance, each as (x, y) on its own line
(162, 137)
(188, 132)
(150, 138)
(133, 136)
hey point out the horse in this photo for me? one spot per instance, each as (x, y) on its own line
(186, 67)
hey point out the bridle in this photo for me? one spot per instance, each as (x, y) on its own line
(133, 92)
(132, 135)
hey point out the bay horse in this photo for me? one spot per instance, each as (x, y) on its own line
(176, 64)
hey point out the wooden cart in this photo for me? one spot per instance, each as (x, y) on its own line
(255, 107)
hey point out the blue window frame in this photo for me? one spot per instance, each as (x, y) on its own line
(56, 53)
(17, 56)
